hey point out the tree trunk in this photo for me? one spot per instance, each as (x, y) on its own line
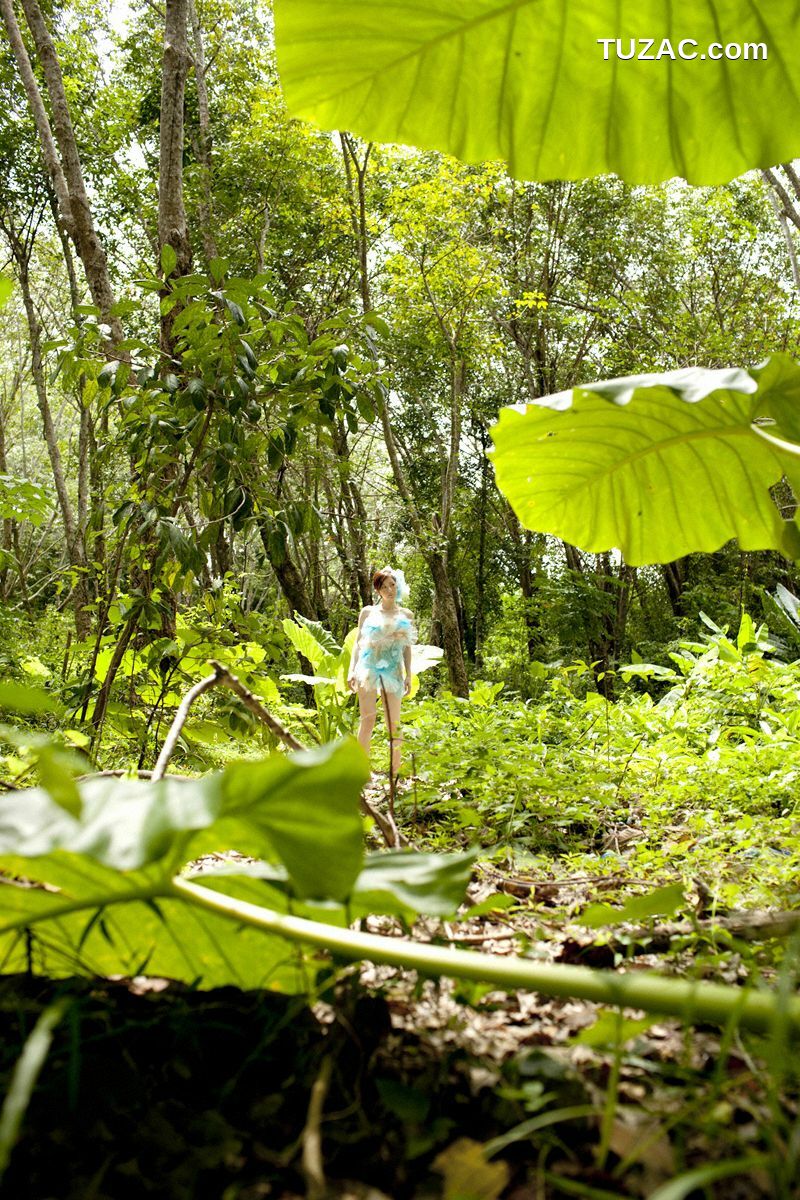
(49, 152)
(204, 140)
(291, 581)
(627, 577)
(446, 607)
(522, 541)
(674, 575)
(87, 242)
(451, 632)
(433, 548)
(478, 623)
(172, 228)
(75, 550)
(7, 540)
(355, 517)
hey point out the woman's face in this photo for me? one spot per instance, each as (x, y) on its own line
(388, 590)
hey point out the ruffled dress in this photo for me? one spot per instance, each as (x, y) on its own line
(384, 637)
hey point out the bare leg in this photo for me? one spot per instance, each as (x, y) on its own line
(391, 712)
(368, 708)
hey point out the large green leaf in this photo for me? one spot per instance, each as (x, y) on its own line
(397, 882)
(306, 639)
(103, 901)
(407, 883)
(527, 81)
(302, 808)
(93, 919)
(307, 806)
(122, 823)
(658, 465)
(22, 698)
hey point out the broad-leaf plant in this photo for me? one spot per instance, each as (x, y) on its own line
(102, 875)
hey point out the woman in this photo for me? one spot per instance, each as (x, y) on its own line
(381, 659)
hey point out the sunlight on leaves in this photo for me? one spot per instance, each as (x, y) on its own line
(532, 83)
(657, 465)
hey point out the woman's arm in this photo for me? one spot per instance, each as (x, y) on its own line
(351, 678)
(407, 665)
(407, 652)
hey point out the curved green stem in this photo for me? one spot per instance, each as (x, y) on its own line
(697, 1002)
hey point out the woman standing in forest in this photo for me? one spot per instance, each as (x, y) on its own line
(381, 659)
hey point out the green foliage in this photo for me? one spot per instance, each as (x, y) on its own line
(658, 466)
(99, 895)
(528, 83)
(330, 663)
(92, 884)
(697, 778)
(661, 902)
(130, 825)
(108, 866)
(22, 500)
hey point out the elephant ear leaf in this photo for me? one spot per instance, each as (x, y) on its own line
(658, 466)
(543, 85)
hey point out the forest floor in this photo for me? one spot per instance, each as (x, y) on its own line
(398, 1087)
(657, 833)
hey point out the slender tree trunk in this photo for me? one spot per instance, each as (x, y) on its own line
(172, 226)
(290, 579)
(47, 142)
(627, 578)
(87, 242)
(355, 516)
(674, 575)
(341, 543)
(356, 185)
(221, 551)
(433, 545)
(451, 631)
(574, 560)
(204, 143)
(782, 213)
(20, 559)
(85, 438)
(75, 550)
(7, 540)
(434, 552)
(480, 575)
(522, 541)
(452, 466)
(104, 695)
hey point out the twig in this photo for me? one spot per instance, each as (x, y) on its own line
(221, 676)
(749, 926)
(313, 1167)
(395, 832)
(273, 724)
(477, 939)
(389, 831)
(120, 774)
(130, 773)
(659, 939)
(392, 782)
(180, 719)
(523, 887)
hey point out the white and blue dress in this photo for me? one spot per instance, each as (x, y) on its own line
(383, 639)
